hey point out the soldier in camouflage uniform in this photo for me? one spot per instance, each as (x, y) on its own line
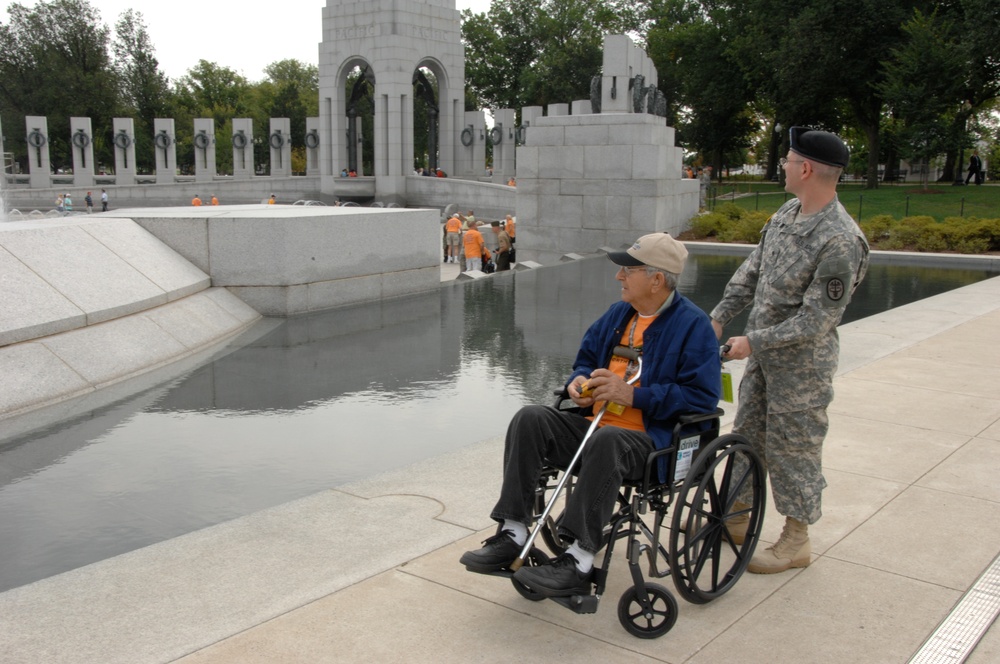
(811, 257)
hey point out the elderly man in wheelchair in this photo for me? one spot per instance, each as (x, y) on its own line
(655, 332)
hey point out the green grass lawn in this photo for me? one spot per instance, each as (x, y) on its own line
(899, 200)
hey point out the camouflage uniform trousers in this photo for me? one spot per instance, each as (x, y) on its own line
(782, 412)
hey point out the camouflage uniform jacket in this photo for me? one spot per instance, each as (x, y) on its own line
(799, 278)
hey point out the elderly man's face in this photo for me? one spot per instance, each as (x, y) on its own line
(637, 285)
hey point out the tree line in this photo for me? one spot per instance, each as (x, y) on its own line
(906, 79)
(60, 60)
(899, 79)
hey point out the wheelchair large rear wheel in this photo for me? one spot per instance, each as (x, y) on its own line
(704, 561)
(644, 624)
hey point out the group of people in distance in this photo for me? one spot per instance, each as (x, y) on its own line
(797, 283)
(461, 234)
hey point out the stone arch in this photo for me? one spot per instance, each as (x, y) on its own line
(351, 153)
(394, 39)
(443, 117)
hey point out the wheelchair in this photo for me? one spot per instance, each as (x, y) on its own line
(678, 525)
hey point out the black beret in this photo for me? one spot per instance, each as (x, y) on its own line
(821, 146)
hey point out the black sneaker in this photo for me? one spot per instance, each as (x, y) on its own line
(498, 553)
(559, 579)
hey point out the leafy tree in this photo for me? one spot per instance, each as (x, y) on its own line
(526, 52)
(144, 89)
(707, 93)
(54, 62)
(291, 90)
(210, 91)
(921, 88)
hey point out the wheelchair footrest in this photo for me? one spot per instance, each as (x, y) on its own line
(579, 603)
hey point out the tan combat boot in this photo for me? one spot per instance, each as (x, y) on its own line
(737, 526)
(791, 550)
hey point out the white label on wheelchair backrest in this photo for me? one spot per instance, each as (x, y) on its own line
(685, 451)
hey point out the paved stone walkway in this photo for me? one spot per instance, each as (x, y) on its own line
(369, 572)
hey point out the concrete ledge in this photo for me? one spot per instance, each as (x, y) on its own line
(62, 366)
(289, 260)
(62, 275)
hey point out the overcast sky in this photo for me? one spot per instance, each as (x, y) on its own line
(234, 35)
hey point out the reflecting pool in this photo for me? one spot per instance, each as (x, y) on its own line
(323, 400)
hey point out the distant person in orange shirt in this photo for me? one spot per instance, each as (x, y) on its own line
(196, 201)
(215, 201)
(474, 246)
(511, 227)
(512, 182)
(271, 200)
(453, 237)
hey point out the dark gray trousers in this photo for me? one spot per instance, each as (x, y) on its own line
(540, 434)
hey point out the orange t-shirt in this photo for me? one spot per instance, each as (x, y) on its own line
(453, 225)
(511, 228)
(473, 243)
(196, 201)
(631, 418)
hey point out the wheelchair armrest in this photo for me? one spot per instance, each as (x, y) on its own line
(694, 418)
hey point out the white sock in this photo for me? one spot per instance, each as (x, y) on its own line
(584, 559)
(519, 530)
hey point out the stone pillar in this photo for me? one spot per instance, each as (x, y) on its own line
(165, 148)
(529, 115)
(473, 139)
(557, 110)
(124, 145)
(504, 137)
(581, 107)
(243, 155)
(204, 150)
(39, 166)
(618, 69)
(82, 147)
(280, 140)
(312, 146)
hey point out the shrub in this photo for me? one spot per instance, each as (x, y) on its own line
(707, 225)
(877, 228)
(746, 229)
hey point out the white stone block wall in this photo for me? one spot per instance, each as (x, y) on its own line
(591, 181)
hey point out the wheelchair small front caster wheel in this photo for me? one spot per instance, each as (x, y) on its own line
(655, 622)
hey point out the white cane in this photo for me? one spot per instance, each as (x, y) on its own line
(630, 354)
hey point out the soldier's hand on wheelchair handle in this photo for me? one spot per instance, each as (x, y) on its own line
(739, 348)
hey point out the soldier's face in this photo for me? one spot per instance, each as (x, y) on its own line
(794, 165)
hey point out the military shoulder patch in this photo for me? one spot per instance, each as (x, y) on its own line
(835, 275)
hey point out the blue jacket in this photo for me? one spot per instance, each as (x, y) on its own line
(681, 369)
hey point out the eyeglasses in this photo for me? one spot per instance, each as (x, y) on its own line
(783, 161)
(632, 270)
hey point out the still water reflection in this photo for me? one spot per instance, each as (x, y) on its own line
(324, 400)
